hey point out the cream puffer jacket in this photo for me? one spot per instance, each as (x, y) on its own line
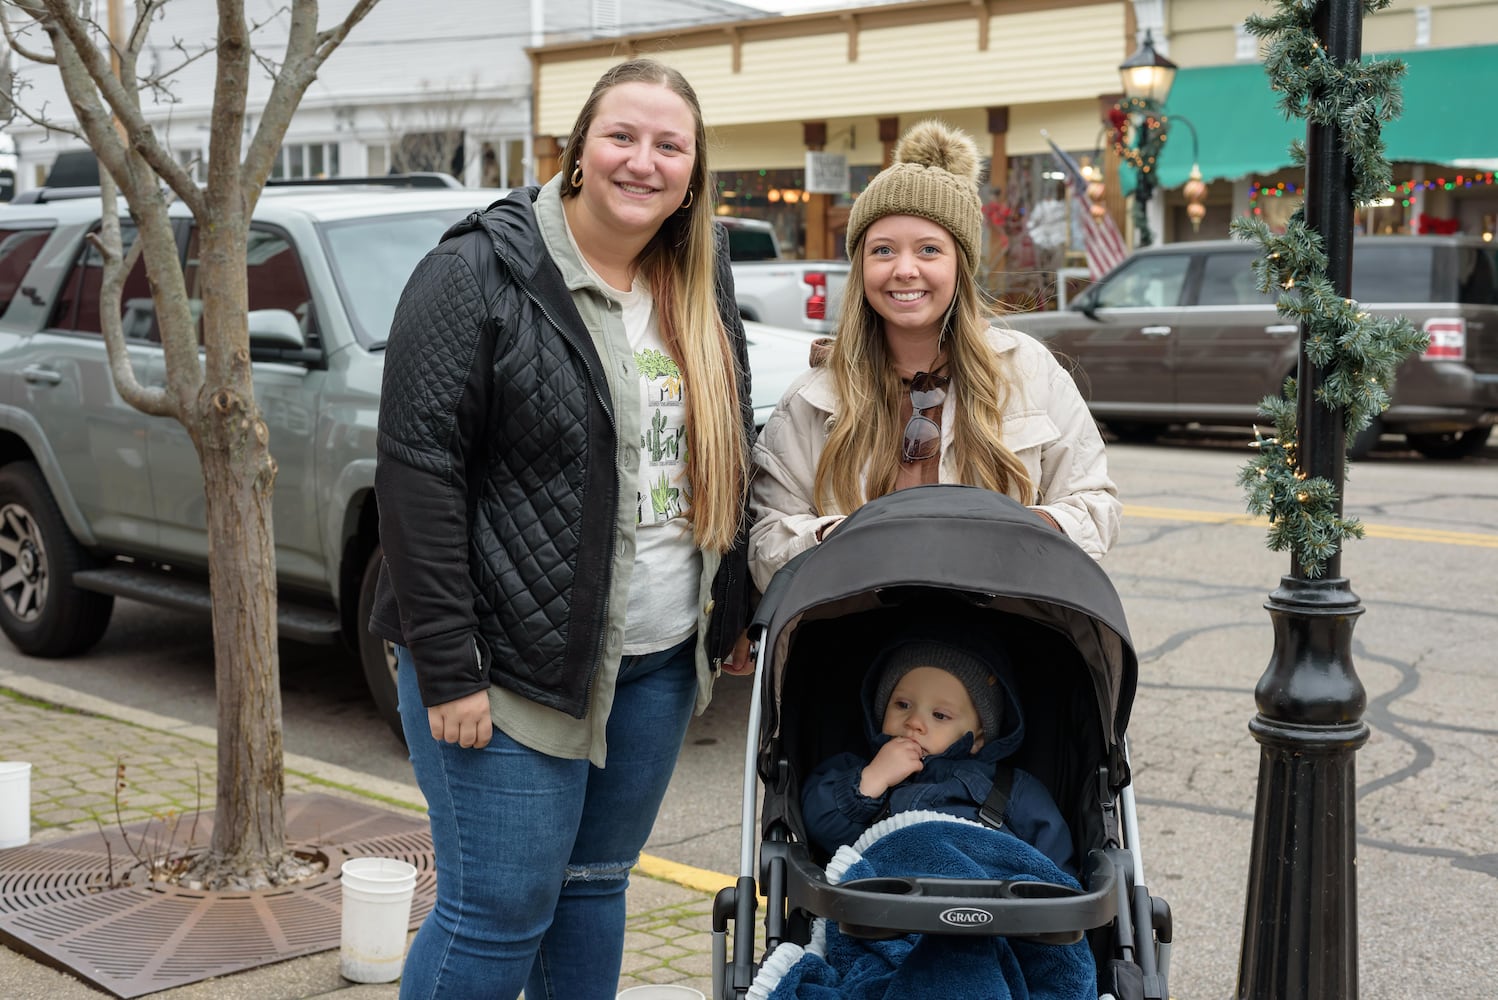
(1046, 424)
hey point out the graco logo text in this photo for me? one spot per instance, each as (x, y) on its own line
(965, 917)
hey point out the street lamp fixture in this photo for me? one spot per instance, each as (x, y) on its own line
(1141, 128)
(1147, 74)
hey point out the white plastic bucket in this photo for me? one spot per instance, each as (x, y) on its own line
(376, 917)
(15, 803)
(661, 991)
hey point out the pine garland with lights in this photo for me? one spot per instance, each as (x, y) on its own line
(1358, 353)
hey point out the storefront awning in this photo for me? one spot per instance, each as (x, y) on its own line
(1449, 116)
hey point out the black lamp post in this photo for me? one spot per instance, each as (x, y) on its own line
(1147, 76)
(1300, 917)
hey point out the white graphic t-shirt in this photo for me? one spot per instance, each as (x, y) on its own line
(663, 589)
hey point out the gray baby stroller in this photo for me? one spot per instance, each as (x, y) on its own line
(948, 553)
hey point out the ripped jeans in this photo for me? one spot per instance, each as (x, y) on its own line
(533, 852)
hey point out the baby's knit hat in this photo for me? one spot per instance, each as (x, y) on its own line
(975, 673)
(934, 176)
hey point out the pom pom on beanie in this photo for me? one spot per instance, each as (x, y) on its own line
(934, 176)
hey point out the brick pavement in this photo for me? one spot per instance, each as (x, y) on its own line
(169, 767)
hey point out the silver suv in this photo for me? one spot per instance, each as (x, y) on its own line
(1178, 334)
(99, 500)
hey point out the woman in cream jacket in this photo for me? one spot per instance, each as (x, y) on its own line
(918, 386)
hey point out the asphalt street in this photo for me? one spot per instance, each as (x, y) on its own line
(1194, 573)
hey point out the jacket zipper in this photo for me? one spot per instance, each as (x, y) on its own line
(608, 578)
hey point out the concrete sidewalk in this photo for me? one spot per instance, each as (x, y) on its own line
(73, 742)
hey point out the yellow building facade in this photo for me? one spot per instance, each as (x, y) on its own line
(850, 81)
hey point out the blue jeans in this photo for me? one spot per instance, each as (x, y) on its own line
(533, 852)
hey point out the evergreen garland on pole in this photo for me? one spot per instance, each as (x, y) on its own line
(1359, 353)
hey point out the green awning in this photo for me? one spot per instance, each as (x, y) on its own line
(1449, 115)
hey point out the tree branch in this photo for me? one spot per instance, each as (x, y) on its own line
(306, 50)
(29, 54)
(71, 43)
(153, 399)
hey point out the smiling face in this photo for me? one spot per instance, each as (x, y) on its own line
(933, 708)
(910, 273)
(637, 160)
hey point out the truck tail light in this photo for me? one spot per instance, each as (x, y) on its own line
(1448, 339)
(816, 302)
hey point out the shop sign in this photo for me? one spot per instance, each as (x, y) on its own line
(827, 173)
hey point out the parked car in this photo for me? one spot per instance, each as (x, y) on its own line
(798, 294)
(99, 500)
(1178, 334)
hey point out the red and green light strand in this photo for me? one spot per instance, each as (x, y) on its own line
(1404, 191)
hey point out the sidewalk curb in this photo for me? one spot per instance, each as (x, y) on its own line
(366, 785)
(392, 792)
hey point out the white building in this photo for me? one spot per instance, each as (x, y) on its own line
(417, 85)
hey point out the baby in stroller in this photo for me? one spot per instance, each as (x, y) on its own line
(933, 795)
(942, 716)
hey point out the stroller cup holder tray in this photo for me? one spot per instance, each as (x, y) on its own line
(887, 906)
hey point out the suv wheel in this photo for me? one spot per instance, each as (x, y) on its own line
(40, 609)
(1453, 444)
(377, 656)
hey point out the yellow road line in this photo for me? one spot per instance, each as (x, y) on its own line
(688, 877)
(683, 875)
(1430, 536)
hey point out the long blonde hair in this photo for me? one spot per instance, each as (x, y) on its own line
(863, 447)
(679, 266)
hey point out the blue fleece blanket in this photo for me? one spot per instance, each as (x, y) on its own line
(915, 966)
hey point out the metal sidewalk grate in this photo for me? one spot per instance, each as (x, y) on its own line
(56, 904)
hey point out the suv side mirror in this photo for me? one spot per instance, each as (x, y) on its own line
(1086, 303)
(276, 335)
(275, 328)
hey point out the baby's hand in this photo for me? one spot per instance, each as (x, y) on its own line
(896, 760)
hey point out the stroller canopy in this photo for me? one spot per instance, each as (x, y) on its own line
(972, 542)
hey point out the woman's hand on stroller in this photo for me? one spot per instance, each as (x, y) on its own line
(741, 660)
(896, 760)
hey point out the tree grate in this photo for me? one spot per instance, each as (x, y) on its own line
(57, 903)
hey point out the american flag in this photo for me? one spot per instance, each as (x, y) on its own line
(1101, 240)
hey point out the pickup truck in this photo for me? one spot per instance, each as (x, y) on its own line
(99, 501)
(798, 294)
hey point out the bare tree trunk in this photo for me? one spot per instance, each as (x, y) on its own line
(249, 829)
(239, 475)
(214, 399)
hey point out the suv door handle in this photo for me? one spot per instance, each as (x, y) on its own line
(1282, 328)
(38, 375)
(1155, 331)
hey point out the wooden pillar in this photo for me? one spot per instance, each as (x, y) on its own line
(996, 256)
(818, 240)
(1114, 199)
(889, 136)
(547, 151)
(998, 134)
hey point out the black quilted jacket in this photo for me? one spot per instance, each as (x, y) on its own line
(496, 480)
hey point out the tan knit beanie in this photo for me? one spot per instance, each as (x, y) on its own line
(934, 176)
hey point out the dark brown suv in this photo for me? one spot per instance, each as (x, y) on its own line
(1178, 334)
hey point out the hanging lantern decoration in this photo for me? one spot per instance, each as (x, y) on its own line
(1195, 190)
(1096, 192)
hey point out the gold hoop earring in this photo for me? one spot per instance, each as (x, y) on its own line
(577, 176)
(690, 195)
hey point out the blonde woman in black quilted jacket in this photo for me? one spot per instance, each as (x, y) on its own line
(561, 484)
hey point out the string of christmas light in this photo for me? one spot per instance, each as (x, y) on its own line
(1356, 353)
(1402, 190)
